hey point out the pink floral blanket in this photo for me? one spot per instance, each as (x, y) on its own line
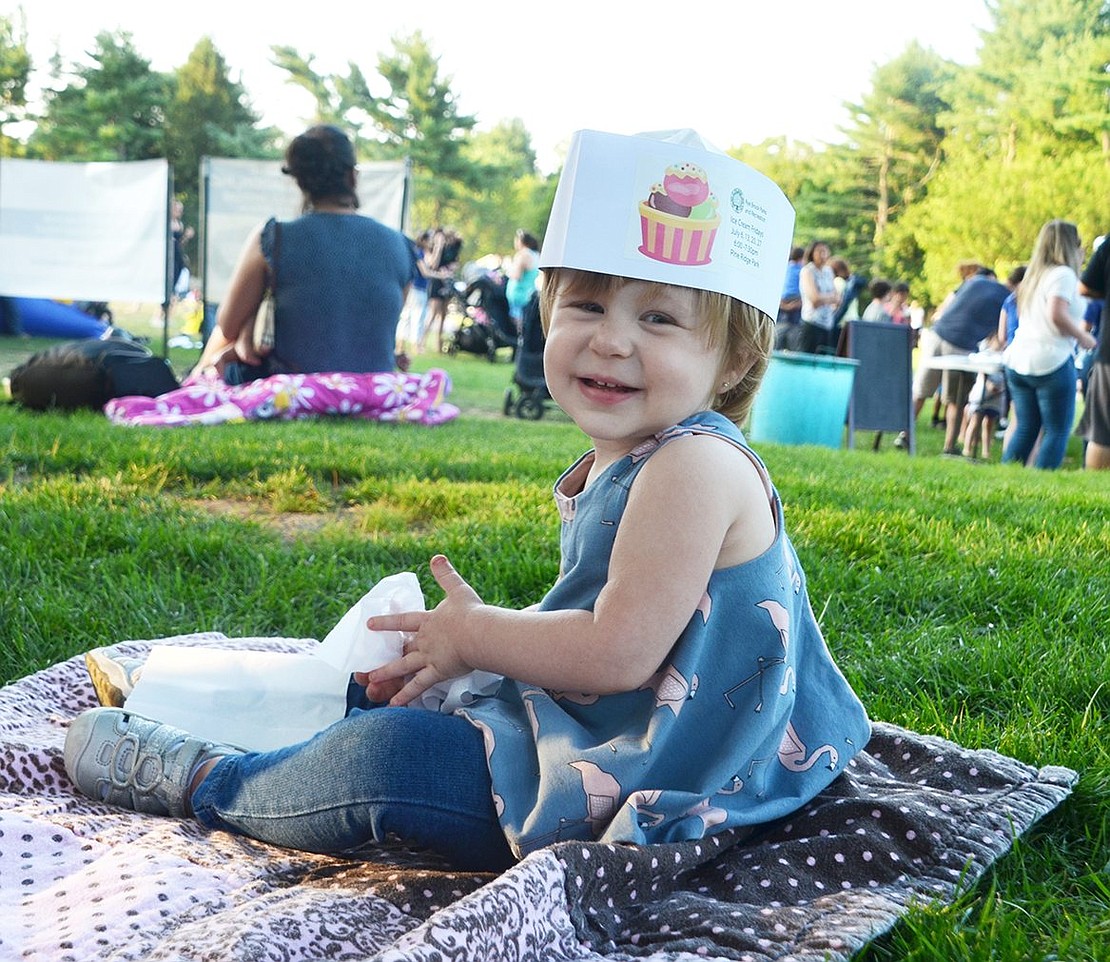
(392, 396)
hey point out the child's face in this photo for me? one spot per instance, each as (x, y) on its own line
(629, 362)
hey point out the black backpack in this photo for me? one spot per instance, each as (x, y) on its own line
(88, 374)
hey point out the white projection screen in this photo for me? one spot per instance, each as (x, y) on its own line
(241, 194)
(100, 231)
(84, 231)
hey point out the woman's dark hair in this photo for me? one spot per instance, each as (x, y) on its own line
(528, 240)
(322, 162)
(813, 245)
(879, 288)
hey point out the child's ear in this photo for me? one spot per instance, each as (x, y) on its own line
(734, 374)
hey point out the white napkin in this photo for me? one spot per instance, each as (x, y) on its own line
(351, 646)
(262, 700)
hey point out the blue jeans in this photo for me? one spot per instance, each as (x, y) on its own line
(407, 772)
(1042, 402)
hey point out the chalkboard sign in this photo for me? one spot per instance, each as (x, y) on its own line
(882, 395)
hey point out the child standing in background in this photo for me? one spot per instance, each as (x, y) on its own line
(897, 301)
(877, 310)
(673, 682)
(986, 404)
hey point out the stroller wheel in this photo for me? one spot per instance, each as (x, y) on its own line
(507, 407)
(529, 407)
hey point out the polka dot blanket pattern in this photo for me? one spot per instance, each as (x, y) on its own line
(915, 818)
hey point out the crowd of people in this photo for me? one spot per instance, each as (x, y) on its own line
(821, 293)
(437, 260)
(1041, 324)
(333, 314)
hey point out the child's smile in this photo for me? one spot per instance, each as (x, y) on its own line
(605, 392)
(629, 362)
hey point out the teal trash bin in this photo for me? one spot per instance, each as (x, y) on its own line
(803, 399)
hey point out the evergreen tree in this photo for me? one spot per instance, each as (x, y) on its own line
(209, 116)
(416, 118)
(827, 206)
(1028, 139)
(506, 149)
(322, 89)
(897, 136)
(113, 108)
(419, 118)
(15, 71)
(512, 194)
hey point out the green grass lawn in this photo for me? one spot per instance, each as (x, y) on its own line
(964, 600)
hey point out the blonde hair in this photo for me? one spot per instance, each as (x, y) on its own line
(745, 332)
(1057, 245)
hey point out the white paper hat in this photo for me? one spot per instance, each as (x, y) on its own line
(668, 207)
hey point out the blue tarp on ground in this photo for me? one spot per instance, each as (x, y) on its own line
(40, 317)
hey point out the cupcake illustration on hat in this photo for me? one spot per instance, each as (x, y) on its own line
(679, 219)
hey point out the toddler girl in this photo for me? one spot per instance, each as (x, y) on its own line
(673, 682)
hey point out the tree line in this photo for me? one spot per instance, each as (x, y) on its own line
(939, 162)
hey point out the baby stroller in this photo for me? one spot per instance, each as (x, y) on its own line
(486, 324)
(528, 375)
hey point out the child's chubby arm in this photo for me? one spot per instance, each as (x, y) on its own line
(697, 505)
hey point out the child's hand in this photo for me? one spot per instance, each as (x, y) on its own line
(378, 692)
(432, 651)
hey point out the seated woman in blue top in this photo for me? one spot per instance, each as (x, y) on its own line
(340, 279)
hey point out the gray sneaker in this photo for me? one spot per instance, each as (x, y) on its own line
(113, 675)
(120, 758)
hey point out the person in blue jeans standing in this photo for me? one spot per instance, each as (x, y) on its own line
(1039, 362)
(788, 323)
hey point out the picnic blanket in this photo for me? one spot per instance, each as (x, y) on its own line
(207, 399)
(913, 820)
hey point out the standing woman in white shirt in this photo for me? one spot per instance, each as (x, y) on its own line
(1040, 370)
(819, 300)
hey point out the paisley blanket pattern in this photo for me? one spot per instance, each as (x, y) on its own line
(914, 819)
(392, 396)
